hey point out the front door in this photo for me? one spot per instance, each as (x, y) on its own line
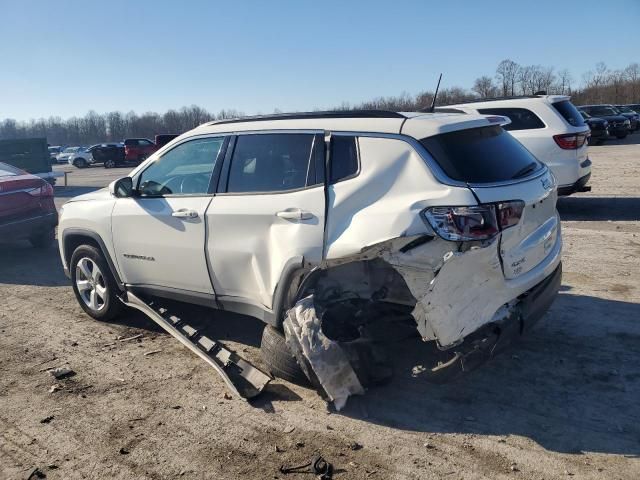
(159, 234)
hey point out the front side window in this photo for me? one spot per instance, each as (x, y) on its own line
(270, 162)
(183, 170)
(521, 118)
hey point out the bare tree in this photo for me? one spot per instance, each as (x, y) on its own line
(507, 74)
(564, 82)
(484, 87)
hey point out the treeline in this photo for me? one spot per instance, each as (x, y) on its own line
(110, 127)
(600, 85)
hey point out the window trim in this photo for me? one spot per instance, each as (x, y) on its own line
(544, 124)
(223, 185)
(213, 181)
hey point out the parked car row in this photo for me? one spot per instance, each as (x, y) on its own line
(608, 121)
(110, 154)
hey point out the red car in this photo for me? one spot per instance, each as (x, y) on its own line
(27, 211)
(137, 149)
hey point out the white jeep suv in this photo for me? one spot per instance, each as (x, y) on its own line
(329, 227)
(551, 127)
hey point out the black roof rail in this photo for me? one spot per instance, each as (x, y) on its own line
(491, 99)
(313, 115)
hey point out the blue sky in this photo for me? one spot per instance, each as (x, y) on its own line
(65, 57)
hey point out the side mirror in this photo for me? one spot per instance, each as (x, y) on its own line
(122, 188)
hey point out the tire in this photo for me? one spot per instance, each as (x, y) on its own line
(109, 164)
(80, 163)
(43, 239)
(105, 305)
(279, 359)
(141, 158)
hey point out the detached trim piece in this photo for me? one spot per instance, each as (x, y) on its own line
(241, 377)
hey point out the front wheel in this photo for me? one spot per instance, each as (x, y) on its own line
(80, 163)
(279, 359)
(93, 284)
(109, 163)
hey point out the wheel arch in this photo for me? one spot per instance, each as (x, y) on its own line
(72, 238)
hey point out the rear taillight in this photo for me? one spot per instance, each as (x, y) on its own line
(509, 213)
(571, 141)
(480, 222)
(44, 190)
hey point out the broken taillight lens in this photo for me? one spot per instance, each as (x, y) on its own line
(463, 223)
(509, 213)
(480, 222)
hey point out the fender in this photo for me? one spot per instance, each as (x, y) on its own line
(70, 233)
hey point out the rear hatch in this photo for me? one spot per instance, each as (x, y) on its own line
(575, 140)
(505, 176)
(19, 194)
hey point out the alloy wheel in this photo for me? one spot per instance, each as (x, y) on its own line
(91, 284)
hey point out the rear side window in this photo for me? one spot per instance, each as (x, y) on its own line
(481, 155)
(344, 158)
(521, 118)
(569, 113)
(270, 162)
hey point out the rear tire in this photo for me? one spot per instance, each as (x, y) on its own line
(279, 359)
(80, 163)
(43, 239)
(96, 291)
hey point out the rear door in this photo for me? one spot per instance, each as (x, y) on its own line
(269, 212)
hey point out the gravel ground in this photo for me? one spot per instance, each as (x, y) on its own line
(563, 403)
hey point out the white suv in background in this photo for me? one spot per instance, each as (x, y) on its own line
(551, 127)
(332, 228)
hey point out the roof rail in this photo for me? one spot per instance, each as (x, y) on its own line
(312, 115)
(491, 99)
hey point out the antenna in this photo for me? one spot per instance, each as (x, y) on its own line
(435, 95)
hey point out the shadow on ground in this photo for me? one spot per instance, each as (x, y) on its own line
(599, 208)
(571, 386)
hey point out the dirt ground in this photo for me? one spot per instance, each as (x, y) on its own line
(563, 403)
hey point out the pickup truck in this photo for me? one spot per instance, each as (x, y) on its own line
(29, 154)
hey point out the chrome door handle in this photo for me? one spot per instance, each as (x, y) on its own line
(294, 214)
(184, 213)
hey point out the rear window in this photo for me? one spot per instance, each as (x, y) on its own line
(344, 158)
(8, 170)
(481, 155)
(569, 113)
(521, 118)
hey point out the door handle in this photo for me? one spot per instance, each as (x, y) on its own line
(184, 213)
(294, 214)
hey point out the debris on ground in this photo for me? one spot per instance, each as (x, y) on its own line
(55, 387)
(227, 396)
(47, 419)
(318, 466)
(355, 446)
(289, 429)
(130, 338)
(36, 473)
(62, 372)
(124, 451)
(152, 352)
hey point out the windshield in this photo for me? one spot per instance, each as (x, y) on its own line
(71, 150)
(481, 155)
(596, 111)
